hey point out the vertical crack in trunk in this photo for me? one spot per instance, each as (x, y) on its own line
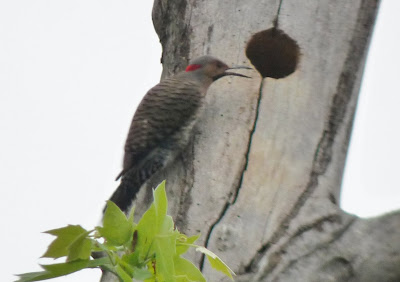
(278, 12)
(247, 155)
(232, 201)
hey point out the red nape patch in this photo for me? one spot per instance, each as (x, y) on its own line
(192, 67)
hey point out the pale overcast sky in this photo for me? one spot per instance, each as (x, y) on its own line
(71, 75)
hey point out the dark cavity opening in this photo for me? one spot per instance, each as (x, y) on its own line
(273, 53)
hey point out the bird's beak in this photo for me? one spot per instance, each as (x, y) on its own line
(228, 73)
(239, 67)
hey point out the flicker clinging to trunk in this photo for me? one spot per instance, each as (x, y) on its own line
(163, 123)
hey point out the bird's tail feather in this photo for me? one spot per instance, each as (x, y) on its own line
(125, 194)
(133, 179)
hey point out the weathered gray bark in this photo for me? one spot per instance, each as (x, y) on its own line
(261, 179)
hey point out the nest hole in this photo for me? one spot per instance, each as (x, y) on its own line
(273, 53)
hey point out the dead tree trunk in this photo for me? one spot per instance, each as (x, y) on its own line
(261, 179)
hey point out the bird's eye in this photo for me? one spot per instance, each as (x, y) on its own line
(219, 65)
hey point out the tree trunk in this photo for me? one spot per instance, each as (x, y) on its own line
(261, 178)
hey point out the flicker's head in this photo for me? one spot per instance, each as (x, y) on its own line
(212, 68)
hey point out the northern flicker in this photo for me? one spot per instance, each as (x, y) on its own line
(163, 123)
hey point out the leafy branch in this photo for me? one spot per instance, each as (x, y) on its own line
(150, 250)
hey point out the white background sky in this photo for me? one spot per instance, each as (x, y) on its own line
(71, 75)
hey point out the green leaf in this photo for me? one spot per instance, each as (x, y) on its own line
(61, 269)
(183, 248)
(131, 258)
(122, 274)
(34, 276)
(146, 231)
(156, 234)
(70, 267)
(141, 273)
(165, 240)
(93, 263)
(187, 271)
(219, 265)
(165, 252)
(117, 229)
(81, 248)
(160, 203)
(216, 262)
(65, 237)
(151, 223)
